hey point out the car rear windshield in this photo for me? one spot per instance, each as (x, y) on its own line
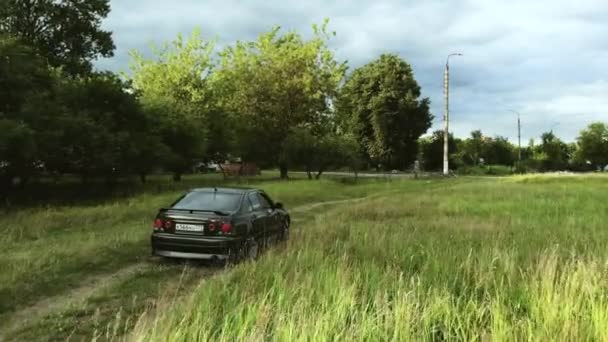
(213, 201)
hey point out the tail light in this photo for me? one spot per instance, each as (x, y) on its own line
(212, 227)
(160, 224)
(226, 228)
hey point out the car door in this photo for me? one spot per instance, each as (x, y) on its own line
(272, 220)
(258, 215)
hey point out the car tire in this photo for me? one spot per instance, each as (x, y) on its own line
(253, 249)
(285, 231)
(237, 255)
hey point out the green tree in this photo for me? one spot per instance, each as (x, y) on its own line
(593, 145)
(91, 127)
(351, 155)
(67, 33)
(273, 85)
(380, 103)
(17, 152)
(300, 149)
(432, 150)
(24, 80)
(316, 154)
(174, 85)
(146, 150)
(23, 75)
(473, 148)
(498, 151)
(552, 152)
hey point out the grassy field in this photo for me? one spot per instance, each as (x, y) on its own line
(510, 258)
(68, 270)
(521, 258)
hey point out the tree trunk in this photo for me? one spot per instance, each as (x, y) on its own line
(23, 182)
(308, 172)
(177, 177)
(142, 177)
(318, 175)
(239, 173)
(219, 164)
(283, 169)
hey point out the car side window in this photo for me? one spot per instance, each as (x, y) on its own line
(247, 206)
(254, 200)
(264, 201)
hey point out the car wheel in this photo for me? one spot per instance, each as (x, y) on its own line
(236, 255)
(253, 249)
(285, 231)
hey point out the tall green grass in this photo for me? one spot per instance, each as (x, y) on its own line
(521, 258)
(49, 251)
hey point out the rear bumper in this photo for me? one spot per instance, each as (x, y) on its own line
(175, 246)
(184, 255)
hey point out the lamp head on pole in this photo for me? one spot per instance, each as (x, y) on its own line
(514, 111)
(452, 54)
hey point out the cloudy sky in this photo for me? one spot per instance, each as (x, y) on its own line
(544, 59)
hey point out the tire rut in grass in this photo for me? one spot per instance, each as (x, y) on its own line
(311, 206)
(52, 304)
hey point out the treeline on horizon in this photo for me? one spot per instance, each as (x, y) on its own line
(281, 100)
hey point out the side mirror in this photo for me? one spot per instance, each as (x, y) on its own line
(278, 205)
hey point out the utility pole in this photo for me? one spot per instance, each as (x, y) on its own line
(518, 140)
(446, 117)
(518, 136)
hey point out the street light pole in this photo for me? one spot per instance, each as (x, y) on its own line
(446, 117)
(518, 137)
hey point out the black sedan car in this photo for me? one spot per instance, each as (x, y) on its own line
(227, 224)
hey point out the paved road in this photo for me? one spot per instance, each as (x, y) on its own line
(364, 174)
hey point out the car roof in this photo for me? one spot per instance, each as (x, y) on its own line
(230, 190)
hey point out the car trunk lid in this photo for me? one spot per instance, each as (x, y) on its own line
(192, 222)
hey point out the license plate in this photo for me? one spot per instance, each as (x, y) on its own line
(189, 227)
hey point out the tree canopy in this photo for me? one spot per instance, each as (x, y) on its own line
(432, 151)
(67, 33)
(593, 144)
(174, 87)
(380, 103)
(275, 84)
